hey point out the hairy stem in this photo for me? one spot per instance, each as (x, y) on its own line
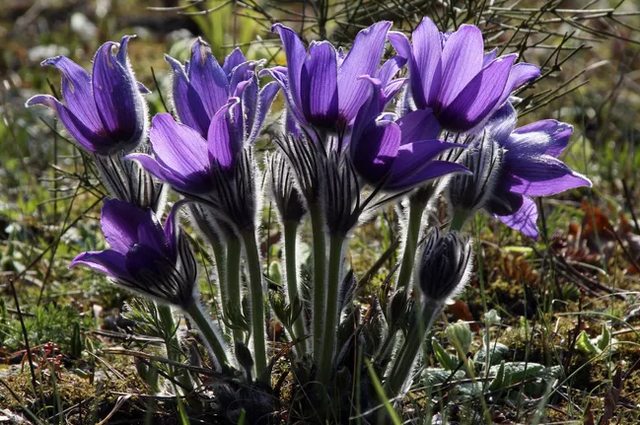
(257, 303)
(414, 221)
(233, 307)
(336, 258)
(212, 339)
(319, 276)
(290, 233)
(407, 354)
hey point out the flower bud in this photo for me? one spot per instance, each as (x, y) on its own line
(284, 192)
(444, 266)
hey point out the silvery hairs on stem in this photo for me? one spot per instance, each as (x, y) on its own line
(284, 192)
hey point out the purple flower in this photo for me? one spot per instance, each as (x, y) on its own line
(399, 153)
(530, 167)
(202, 87)
(144, 256)
(451, 74)
(322, 86)
(104, 112)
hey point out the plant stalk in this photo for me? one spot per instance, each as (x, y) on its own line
(233, 310)
(408, 352)
(336, 258)
(257, 304)
(212, 339)
(290, 233)
(414, 221)
(319, 276)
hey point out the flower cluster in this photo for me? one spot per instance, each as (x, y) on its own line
(358, 132)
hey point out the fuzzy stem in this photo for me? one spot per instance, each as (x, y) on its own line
(290, 233)
(212, 339)
(414, 221)
(407, 354)
(234, 308)
(172, 344)
(319, 276)
(458, 220)
(257, 303)
(336, 258)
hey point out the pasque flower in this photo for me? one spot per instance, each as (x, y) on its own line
(529, 166)
(144, 256)
(201, 87)
(105, 111)
(452, 75)
(399, 153)
(321, 84)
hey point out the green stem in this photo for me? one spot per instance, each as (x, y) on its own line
(257, 303)
(211, 338)
(409, 351)
(290, 233)
(336, 258)
(458, 220)
(233, 310)
(319, 276)
(414, 221)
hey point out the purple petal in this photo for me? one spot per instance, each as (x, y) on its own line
(392, 89)
(401, 43)
(232, 60)
(363, 59)
(413, 157)
(432, 170)
(418, 125)
(520, 74)
(279, 74)
(462, 59)
(476, 101)
(246, 112)
(171, 228)
(115, 94)
(549, 136)
(390, 68)
(77, 92)
(296, 55)
(426, 69)
(502, 123)
(489, 57)
(223, 144)
(541, 175)
(120, 222)
(179, 148)
(319, 84)
(374, 152)
(208, 78)
(187, 100)
(151, 234)
(191, 183)
(265, 99)
(87, 138)
(107, 262)
(142, 89)
(239, 75)
(524, 220)
(122, 50)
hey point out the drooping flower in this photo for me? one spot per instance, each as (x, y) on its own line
(144, 256)
(445, 265)
(452, 75)
(400, 153)
(529, 166)
(201, 87)
(321, 84)
(104, 112)
(217, 171)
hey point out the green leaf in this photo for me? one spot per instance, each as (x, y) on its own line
(445, 359)
(498, 380)
(585, 345)
(605, 338)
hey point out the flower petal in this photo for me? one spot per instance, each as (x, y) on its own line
(548, 136)
(375, 150)
(541, 175)
(208, 78)
(476, 101)
(151, 234)
(520, 74)
(107, 262)
(432, 170)
(232, 60)
(115, 91)
(426, 69)
(120, 222)
(363, 59)
(186, 99)
(418, 125)
(265, 99)
(87, 138)
(222, 140)
(390, 68)
(462, 58)
(524, 220)
(319, 88)
(179, 149)
(413, 157)
(279, 74)
(77, 92)
(502, 123)
(296, 55)
(191, 183)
